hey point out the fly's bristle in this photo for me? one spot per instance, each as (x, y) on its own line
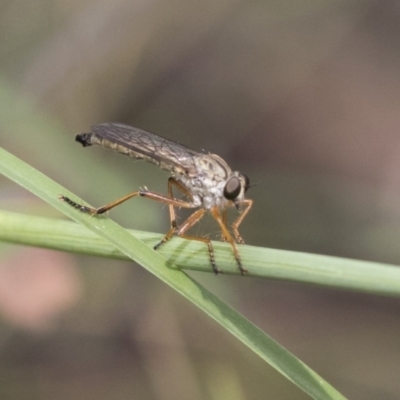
(84, 139)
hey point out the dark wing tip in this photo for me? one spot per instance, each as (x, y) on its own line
(84, 139)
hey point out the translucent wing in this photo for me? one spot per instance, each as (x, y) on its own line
(140, 144)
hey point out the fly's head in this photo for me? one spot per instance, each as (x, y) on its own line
(235, 188)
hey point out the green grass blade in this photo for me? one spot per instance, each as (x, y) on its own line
(334, 272)
(263, 345)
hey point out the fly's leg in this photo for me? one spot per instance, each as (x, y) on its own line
(171, 183)
(235, 226)
(192, 220)
(141, 192)
(172, 215)
(225, 232)
(225, 222)
(186, 225)
(99, 210)
(80, 207)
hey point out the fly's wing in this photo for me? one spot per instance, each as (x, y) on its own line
(140, 144)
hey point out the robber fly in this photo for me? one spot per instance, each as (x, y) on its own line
(205, 179)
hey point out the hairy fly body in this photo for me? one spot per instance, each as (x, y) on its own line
(206, 180)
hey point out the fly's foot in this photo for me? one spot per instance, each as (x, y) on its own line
(80, 207)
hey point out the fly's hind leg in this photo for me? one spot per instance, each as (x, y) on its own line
(143, 192)
(99, 210)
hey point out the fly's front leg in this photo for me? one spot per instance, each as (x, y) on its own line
(235, 226)
(225, 232)
(225, 222)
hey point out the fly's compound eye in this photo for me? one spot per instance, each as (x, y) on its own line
(232, 188)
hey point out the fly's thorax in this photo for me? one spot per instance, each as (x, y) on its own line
(206, 192)
(214, 183)
(207, 184)
(213, 167)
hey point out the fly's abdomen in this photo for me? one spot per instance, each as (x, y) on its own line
(89, 139)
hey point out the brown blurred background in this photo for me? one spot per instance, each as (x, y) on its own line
(302, 96)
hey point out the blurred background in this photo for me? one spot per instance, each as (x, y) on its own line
(302, 96)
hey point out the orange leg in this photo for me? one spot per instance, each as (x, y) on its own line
(225, 222)
(192, 220)
(142, 192)
(226, 234)
(173, 182)
(186, 225)
(172, 215)
(247, 204)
